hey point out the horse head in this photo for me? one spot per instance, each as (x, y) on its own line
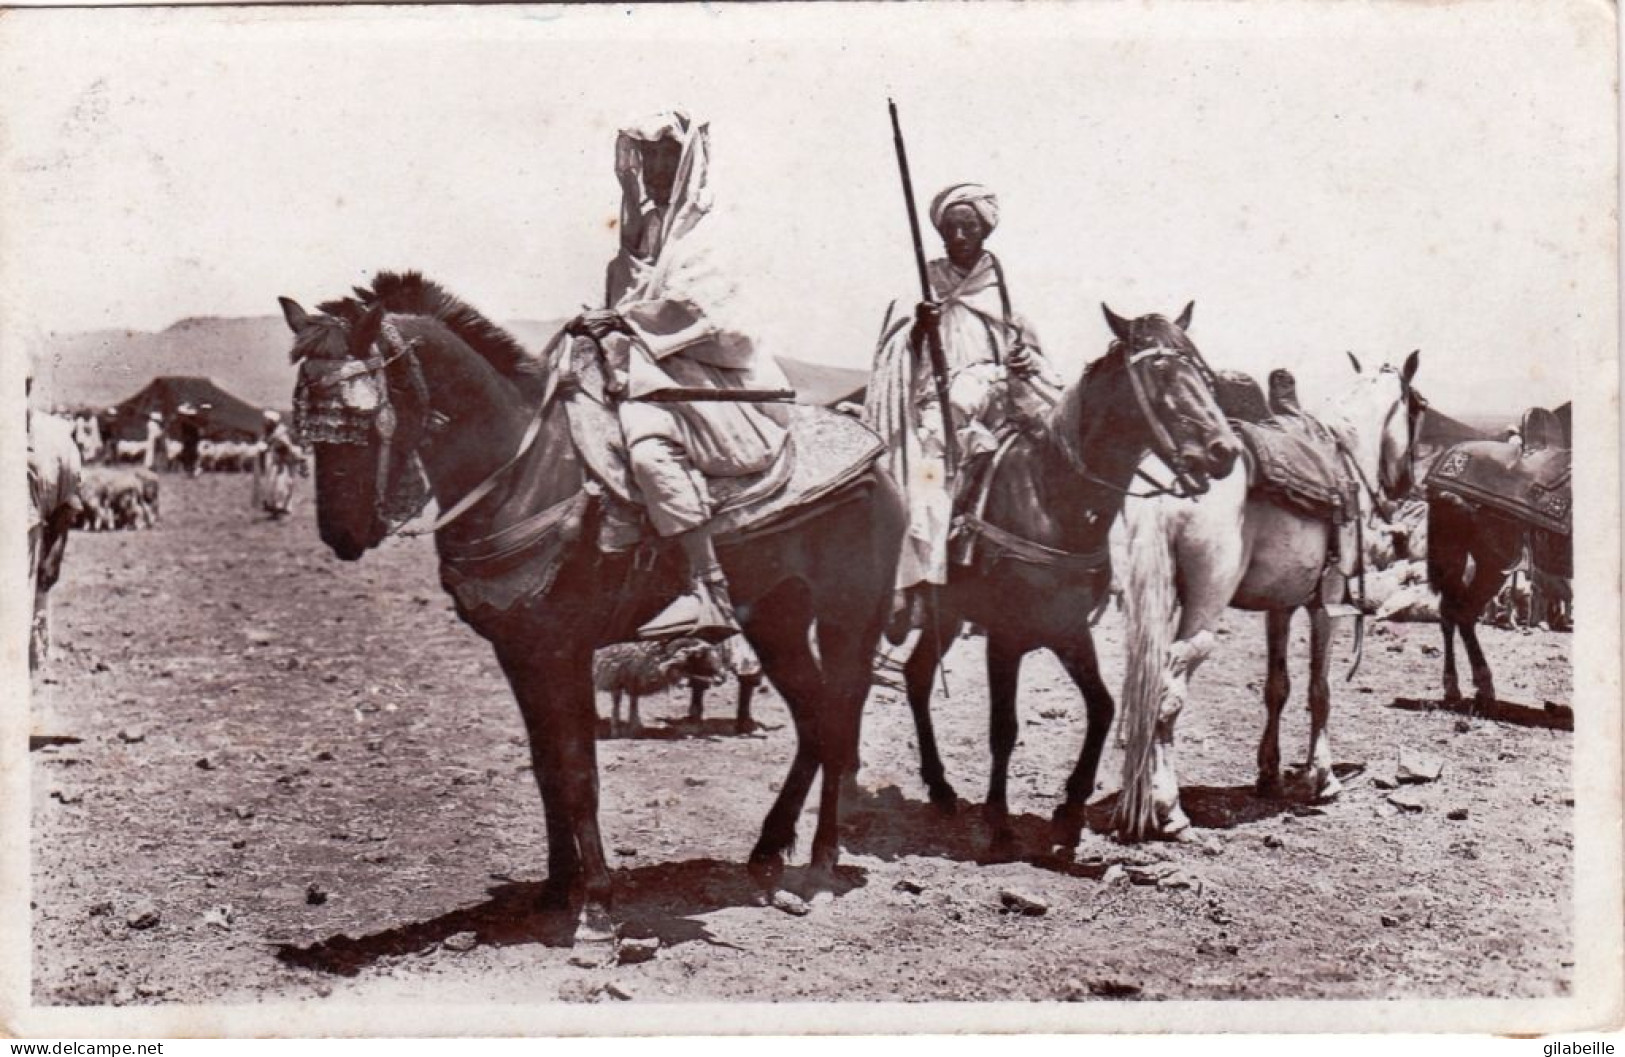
(362, 411)
(1385, 407)
(1173, 391)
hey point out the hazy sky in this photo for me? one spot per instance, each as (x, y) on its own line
(1318, 177)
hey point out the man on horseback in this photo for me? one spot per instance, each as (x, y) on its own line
(664, 329)
(997, 378)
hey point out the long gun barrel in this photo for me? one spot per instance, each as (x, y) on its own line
(933, 337)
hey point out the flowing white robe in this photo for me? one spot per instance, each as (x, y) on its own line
(983, 394)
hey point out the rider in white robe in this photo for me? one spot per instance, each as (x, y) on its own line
(996, 373)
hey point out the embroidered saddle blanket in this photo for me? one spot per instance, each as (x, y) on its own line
(1532, 486)
(824, 451)
(1295, 460)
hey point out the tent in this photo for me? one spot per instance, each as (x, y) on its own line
(227, 417)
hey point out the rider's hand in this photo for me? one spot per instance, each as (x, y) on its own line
(1021, 362)
(928, 313)
(598, 323)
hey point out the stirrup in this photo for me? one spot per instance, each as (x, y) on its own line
(703, 612)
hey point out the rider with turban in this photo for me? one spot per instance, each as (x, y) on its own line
(997, 375)
(668, 325)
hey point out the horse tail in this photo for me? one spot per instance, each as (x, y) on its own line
(1148, 603)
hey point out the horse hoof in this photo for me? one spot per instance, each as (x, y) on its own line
(1329, 789)
(1065, 829)
(945, 800)
(595, 944)
(1268, 786)
(1452, 695)
(766, 871)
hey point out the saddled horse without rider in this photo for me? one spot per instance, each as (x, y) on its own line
(1041, 561)
(1244, 548)
(411, 382)
(1492, 504)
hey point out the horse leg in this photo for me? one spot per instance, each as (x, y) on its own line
(1083, 666)
(743, 723)
(696, 701)
(578, 757)
(632, 719)
(919, 672)
(1483, 683)
(531, 685)
(1323, 782)
(1452, 684)
(615, 712)
(1003, 681)
(778, 630)
(845, 653)
(1277, 688)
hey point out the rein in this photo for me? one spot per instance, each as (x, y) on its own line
(1162, 444)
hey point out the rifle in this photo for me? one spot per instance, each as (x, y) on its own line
(933, 337)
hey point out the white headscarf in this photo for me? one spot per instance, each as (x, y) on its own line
(979, 198)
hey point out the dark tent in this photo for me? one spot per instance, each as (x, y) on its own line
(225, 417)
(818, 383)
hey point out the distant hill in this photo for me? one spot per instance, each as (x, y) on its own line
(246, 355)
(249, 357)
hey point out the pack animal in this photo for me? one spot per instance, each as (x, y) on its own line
(1246, 547)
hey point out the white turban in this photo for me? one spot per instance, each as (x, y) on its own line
(979, 198)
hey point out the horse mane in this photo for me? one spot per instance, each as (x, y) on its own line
(1064, 423)
(409, 293)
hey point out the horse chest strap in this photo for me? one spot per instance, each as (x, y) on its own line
(1022, 549)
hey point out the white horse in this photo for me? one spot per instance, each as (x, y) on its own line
(1237, 547)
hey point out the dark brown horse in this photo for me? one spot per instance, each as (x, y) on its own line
(433, 389)
(1043, 562)
(1471, 549)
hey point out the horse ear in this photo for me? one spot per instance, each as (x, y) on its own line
(1412, 362)
(1184, 320)
(366, 331)
(1355, 362)
(1119, 325)
(298, 319)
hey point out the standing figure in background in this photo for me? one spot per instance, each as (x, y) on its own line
(276, 457)
(997, 376)
(189, 423)
(665, 328)
(53, 489)
(156, 456)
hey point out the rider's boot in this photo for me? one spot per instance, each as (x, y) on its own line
(704, 610)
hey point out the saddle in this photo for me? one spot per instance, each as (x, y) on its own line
(1530, 485)
(823, 452)
(1295, 459)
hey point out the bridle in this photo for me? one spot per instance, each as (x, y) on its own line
(1137, 360)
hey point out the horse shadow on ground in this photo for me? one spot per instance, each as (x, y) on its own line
(1552, 717)
(685, 729)
(888, 825)
(658, 901)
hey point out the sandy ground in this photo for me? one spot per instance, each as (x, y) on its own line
(295, 777)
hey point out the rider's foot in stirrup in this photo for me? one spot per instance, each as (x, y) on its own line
(704, 612)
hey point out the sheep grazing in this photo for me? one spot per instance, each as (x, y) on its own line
(636, 669)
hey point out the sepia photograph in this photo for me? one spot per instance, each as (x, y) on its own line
(811, 517)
